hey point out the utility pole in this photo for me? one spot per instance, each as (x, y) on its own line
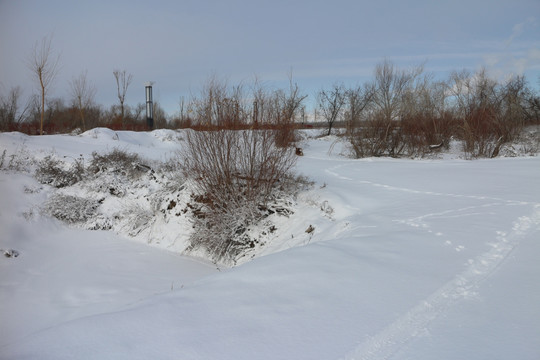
(149, 106)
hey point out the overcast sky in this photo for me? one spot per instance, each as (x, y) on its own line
(178, 44)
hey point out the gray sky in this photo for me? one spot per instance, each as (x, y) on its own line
(179, 44)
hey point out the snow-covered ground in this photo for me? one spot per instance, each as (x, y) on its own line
(408, 259)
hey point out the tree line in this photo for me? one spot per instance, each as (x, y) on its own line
(405, 112)
(397, 112)
(43, 114)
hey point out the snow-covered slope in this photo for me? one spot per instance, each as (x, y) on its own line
(408, 259)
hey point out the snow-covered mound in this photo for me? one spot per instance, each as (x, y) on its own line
(131, 183)
(382, 259)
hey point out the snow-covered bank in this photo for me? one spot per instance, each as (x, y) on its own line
(408, 259)
(63, 274)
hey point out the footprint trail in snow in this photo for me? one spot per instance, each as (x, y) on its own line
(415, 322)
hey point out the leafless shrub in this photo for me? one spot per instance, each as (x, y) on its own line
(20, 160)
(11, 114)
(492, 113)
(383, 104)
(529, 141)
(118, 162)
(218, 106)
(223, 107)
(391, 88)
(71, 209)
(235, 175)
(358, 101)
(2, 158)
(138, 217)
(57, 173)
(377, 137)
(236, 165)
(422, 133)
(478, 135)
(289, 103)
(405, 113)
(83, 94)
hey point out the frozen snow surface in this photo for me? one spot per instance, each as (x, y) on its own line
(408, 259)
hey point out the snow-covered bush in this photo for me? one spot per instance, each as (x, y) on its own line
(137, 216)
(119, 192)
(71, 209)
(20, 160)
(228, 234)
(2, 158)
(238, 176)
(119, 162)
(221, 201)
(57, 173)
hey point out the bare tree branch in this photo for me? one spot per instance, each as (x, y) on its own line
(331, 103)
(83, 95)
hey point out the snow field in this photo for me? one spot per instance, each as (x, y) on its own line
(408, 259)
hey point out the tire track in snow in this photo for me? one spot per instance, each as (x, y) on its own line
(416, 321)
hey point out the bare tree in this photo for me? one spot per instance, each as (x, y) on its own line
(183, 115)
(83, 95)
(266, 105)
(288, 104)
(331, 103)
(56, 109)
(357, 101)
(122, 83)
(10, 113)
(160, 116)
(490, 113)
(390, 87)
(291, 101)
(472, 93)
(207, 106)
(532, 104)
(44, 66)
(219, 105)
(383, 134)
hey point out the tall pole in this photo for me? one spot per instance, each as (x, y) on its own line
(149, 107)
(255, 113)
